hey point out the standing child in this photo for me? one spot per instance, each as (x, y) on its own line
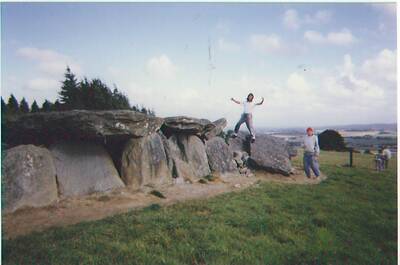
(387, 155)
(311, 153)
(247, 115)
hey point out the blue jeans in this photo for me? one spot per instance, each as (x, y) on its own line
(248, 119)
(309, 160)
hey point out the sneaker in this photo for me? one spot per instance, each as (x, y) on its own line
(234, 135)
(253, 139)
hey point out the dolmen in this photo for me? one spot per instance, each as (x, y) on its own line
(60, 154)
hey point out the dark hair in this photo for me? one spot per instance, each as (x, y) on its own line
(251, 94)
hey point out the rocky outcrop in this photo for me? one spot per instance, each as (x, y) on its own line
(144, 162)
(186, 125)
(188, 156)
(241, 143)
(219, 156)
(218, 129)
(270, 153)
(44, 127)
(29, 177)
(291, 150)
(85, 146)
(241, 159)
(83, 168)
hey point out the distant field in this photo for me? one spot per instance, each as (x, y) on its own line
(367, 133)
(351, 218)
(359, 140)
(375, 143)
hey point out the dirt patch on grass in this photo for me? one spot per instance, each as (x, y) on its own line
(97, 206)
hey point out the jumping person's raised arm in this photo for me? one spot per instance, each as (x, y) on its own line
(237, 102)
(261, 102)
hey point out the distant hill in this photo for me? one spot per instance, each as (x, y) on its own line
(350, 127)
(365, 127)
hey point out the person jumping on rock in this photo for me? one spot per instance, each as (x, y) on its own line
(247, 116)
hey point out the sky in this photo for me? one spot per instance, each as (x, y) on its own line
(315, 64)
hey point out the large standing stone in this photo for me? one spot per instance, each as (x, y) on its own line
(48, 127)
(186, 125)
(291, 149)
(83, 168)
(219, 156)
(29, 177)
(270, 153)
(189, 157)
(219, 128)
(241, 143)
(168, 153)
(144, 162)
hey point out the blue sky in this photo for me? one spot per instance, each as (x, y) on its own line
(159, 55)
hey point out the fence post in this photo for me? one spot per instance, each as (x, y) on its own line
(351, 156)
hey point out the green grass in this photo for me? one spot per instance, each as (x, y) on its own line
(351, 218)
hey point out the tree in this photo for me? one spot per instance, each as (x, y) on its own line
(3, 107)
(23, 106)
(151, 112)
(101, 95)
(331, 140)
(34, 107)
(12, 105)
(85, 93)
(143, 110)
(69, 94)
(89, 94)
(57, 106)
(47, 106)
(96, 95)
(120, 101)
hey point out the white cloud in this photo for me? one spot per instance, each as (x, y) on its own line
(314, 36)
(350, 85)
(320, 17)
(340, 95)
(385, 8)
(42, 84)
(40, 54)
(341, 38)
(161, 67)
(298, 84)
(335, 95)
(265, 43)
(382, 66)
(293, 20)
(172, 99)
(348, 66)
(227, 46)
(48, 61)
(50, 67)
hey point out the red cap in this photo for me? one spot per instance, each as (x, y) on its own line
(310, 129)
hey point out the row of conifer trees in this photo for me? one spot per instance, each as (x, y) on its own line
(83, 94)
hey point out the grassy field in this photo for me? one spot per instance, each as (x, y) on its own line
(351, 218)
